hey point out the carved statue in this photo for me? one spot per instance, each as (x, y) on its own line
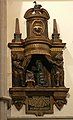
(30, 79)
(18, 70)
(37, 6)
(59, 61)
(57, 71)
(39, 73)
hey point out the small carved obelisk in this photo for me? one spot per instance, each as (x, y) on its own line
(55, 35)
(17, 34)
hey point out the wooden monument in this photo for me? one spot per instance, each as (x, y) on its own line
(37, 65)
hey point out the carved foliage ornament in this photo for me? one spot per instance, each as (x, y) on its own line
(37, 65)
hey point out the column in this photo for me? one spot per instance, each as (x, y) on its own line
(4, 100)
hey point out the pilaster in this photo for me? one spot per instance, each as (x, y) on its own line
(3, 60)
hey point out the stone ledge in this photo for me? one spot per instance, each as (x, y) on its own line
(42, 118)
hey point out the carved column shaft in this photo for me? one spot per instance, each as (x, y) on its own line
(3, 47)
(3, 59)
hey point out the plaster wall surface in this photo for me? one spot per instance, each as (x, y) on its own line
(62, 11)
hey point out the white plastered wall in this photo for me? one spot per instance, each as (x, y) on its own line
(62, 11)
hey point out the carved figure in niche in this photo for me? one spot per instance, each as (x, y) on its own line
(47, 76)
(39, 73)
(53, 72)
(18, 70)
(33, 69)
(57, 78)
(30, 78)
(57, 75)
(61, 75)
(59, 61)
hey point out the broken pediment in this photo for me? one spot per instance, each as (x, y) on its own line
(37, 65)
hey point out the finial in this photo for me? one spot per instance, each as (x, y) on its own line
(55, 34)
(35, 2)
(17, 30)
(55, 30)
(17, 34)
(37, 6)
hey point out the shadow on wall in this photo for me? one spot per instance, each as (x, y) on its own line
(68, 68)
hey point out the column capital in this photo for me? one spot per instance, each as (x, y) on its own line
(6, 100)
